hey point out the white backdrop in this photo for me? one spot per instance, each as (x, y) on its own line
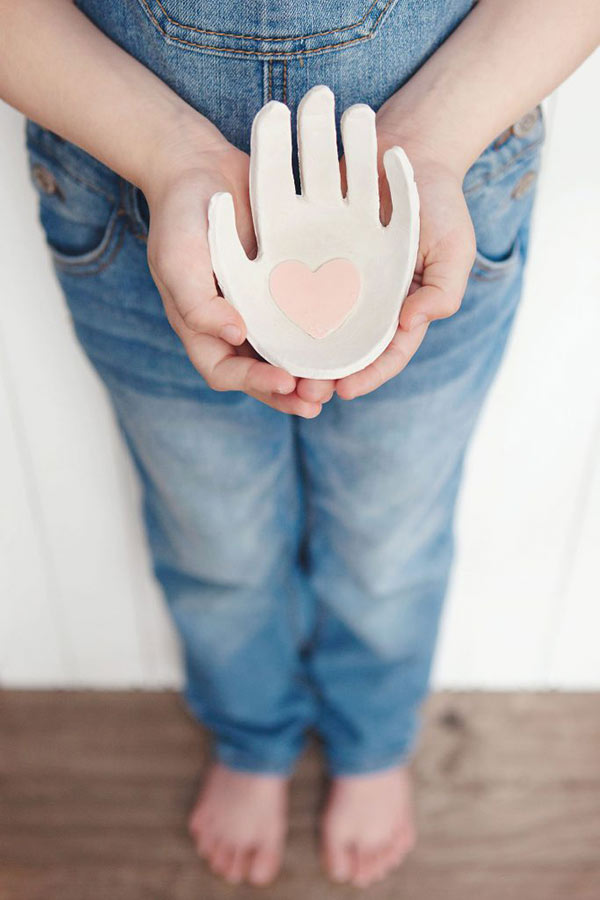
(78, 606)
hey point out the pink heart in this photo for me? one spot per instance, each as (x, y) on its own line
(319, 301)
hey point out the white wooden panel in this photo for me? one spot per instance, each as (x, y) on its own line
(574, 651)
(71, 442)
(519, 509)
(30, 642)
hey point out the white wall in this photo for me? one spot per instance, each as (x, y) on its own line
(77, 603)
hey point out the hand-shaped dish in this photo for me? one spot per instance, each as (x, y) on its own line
(322, 297)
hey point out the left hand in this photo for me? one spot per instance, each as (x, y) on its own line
(445, 257)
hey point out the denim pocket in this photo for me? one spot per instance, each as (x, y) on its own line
(256, 28)
(499, 190)
(79, 202)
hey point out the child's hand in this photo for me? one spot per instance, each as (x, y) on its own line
(211, 330)
(445, 258)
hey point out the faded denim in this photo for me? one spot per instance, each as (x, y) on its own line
(304, 561)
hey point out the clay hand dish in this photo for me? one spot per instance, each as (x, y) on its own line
(322, 297)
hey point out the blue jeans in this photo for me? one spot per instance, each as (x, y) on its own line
(304, 561)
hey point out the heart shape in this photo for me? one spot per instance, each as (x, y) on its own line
(317, 302)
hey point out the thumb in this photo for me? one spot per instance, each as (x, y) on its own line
(444, 282)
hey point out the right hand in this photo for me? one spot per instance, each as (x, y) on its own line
(211, 330)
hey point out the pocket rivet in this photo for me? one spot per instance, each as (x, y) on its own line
(45, 180)
(525, 123)
(523, 185)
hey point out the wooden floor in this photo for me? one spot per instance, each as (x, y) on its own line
(95, 787)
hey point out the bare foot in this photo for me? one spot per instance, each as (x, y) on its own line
(368, 826)
(239, 824)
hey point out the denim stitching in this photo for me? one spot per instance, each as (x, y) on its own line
(493, 271)
(483, 272)
(134, 219)
(79, 268)
(284, 87)
(265, 53)
(251, 37)
(52, 160)
(497, 173)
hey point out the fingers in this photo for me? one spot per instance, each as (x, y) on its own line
(314, 390)
(272, 188)
(394, 358)
(427, 304)
(317, 147)
(360, 154)
(445, 280)
(291, 404)
(405, 199)
(193, 305)
(225, 370)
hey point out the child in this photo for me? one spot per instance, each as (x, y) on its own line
(302, 541)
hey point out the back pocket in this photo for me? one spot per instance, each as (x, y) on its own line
(256, 28)
(499, 190)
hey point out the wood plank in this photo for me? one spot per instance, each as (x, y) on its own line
(95, 788)
(177, 882)
(532, 736)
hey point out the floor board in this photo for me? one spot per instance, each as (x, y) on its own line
(94, 790)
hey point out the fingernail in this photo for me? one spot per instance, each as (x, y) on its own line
(340, 872)
(417, 320)
(231, 334)
(280, 389)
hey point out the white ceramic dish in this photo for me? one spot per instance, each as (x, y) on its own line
(323, 295)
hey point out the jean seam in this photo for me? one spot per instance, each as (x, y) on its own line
(258, 37)
(101, 258)
(497, 173)
(76, 176)
(265, 53)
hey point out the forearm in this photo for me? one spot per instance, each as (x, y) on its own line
(59, 69)
(505, 57)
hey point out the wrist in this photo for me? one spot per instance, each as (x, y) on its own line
(184, 142)
(426, 146)
(432, 118)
